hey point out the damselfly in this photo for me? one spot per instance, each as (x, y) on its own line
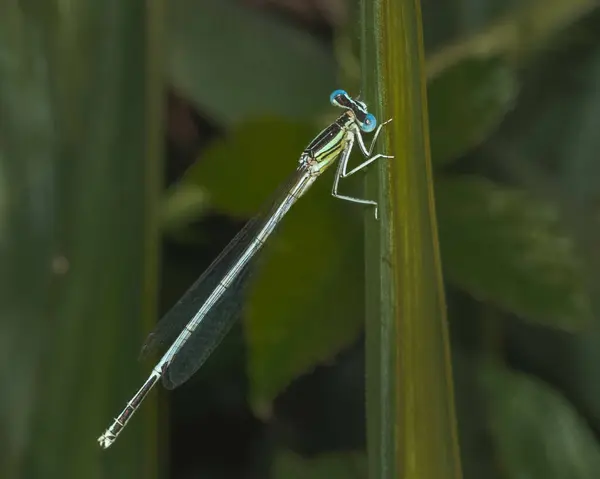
(200, 320)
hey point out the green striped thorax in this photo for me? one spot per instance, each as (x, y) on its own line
(328, 145)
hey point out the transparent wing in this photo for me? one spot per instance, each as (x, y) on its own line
(210, 332)
(173, 322)
(218, 321)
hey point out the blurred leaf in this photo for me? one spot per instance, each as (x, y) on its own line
(558, 129)
(240, 172)
(502, 246)
(570, 362)
(80, 96)
(182, 204)
(581, 371)
(506, 35)
(234, 62)
(25, 233)
(478, 456)
(343, 465)
(466, 103)
(537, 432)
(306, 301)
(552, 143)
(552, 134)
(577, 124)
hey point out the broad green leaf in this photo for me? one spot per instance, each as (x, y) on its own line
(502, 245)
(240, 172)
(536, 431)
(307, 302)
(342, 465)
(466, 103)
(234, 62)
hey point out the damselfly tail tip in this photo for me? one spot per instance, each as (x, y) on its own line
(106, 440)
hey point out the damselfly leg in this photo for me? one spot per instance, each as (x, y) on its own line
(341, 171)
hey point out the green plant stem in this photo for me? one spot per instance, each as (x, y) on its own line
(410, 407)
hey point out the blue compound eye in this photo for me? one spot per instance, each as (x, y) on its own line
(369, 123)
(335, 94)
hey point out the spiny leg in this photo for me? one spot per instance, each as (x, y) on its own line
(346, 174)
(343, 164)
(366, 152)
(342, 168)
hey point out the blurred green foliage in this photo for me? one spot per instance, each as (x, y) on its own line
(481, 92)
(534, 270)
(529, 444)
(290, 466)
(515, 115)
(79, 168)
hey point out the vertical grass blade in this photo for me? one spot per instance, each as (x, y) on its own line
(411, 422)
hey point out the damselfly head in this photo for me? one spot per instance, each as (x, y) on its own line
(365, 120)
